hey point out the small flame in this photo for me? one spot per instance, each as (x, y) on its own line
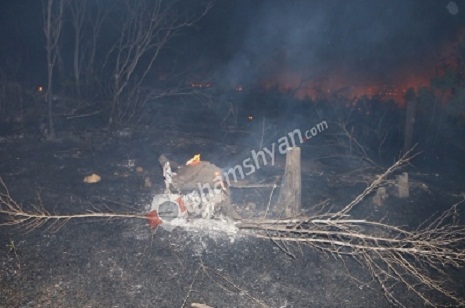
(40, 89)
(194, 160)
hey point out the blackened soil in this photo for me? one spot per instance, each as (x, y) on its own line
(122, 263)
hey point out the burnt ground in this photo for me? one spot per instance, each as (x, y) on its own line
(123, 263)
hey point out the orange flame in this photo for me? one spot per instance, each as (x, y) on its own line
(194, 160)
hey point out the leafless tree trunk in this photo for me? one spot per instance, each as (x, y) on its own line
(291, 189)
(53, 22)
(78, 12)
(95, 20)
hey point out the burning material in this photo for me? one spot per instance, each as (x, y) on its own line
(153, 219)
(194, 160)
(194, 190)
(342, 84)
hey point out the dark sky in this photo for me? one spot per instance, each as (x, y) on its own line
(243, 40)
(22, 42)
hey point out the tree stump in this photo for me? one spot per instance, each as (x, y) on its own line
(291, 187)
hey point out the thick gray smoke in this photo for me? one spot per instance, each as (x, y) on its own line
(368, 39)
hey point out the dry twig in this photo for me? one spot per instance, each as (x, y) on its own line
(393, 255)
(16, 215)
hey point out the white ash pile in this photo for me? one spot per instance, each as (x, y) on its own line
(192, 191)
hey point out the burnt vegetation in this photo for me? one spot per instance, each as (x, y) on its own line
(113, 85)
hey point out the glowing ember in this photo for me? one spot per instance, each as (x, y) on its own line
(339, 84)
(182, 205)
(153, 219)
(194, 160)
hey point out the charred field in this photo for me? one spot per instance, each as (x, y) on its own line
(124, 263)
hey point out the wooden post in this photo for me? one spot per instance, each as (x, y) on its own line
(402, 185)
(291, 187)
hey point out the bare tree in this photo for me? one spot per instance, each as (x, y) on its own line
(53, 24)
(87, 20)
(148, 26)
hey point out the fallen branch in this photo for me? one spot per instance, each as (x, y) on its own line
(393, 255)
(38, 216)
